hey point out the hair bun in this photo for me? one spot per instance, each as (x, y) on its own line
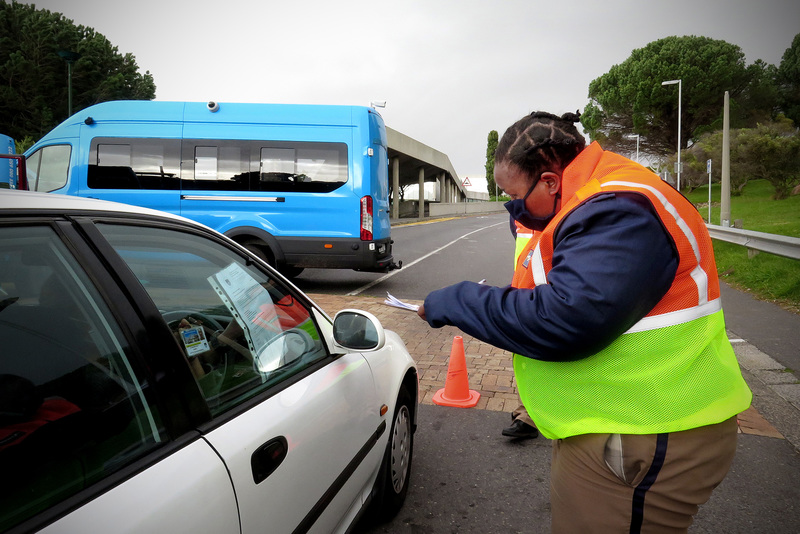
(572, 117)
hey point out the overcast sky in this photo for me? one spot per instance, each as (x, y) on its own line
(450, 71)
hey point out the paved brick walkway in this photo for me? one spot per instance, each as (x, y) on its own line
(489, 369)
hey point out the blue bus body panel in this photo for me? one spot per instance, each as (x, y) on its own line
(303, 219)
(8, 167)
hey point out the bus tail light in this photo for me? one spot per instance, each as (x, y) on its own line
(366, 218)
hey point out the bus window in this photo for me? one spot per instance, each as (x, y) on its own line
(205, 163)
(322, 165)
(113, 155)
(48, 168)
(276, 161)
(280, 166)
(220, 167)
(304, 167)
(133, 164)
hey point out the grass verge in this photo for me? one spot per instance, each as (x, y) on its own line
(766, 276)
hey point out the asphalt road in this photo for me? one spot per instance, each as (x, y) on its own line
(468, 479)
(434, 254)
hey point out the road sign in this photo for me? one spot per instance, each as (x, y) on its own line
(466, 182)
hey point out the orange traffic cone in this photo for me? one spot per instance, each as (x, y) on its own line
(456, 390)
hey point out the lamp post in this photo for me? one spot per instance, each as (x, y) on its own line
(70, 57)
(673, 82)
(631, 136)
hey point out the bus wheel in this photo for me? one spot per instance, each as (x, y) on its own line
(290, 271)
(261, 252)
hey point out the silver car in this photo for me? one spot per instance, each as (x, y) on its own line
(157, 377)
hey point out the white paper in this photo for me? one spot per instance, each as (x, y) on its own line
(248, 301)
(397, 303)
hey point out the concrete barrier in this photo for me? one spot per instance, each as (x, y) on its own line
(437, 209)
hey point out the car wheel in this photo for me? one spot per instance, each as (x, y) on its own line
(392, 484)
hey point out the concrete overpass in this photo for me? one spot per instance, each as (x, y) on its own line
(412, 162)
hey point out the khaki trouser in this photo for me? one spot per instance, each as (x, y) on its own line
(609, 483)
(522, 414)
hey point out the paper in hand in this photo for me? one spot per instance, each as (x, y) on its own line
(397, 303)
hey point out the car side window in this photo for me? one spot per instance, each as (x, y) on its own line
(241, 330)
(74, 407)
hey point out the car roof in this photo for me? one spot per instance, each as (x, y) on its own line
(14, 199)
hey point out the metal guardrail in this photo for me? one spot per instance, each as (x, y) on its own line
(774, 244)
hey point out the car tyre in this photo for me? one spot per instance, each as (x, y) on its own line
(391, 486)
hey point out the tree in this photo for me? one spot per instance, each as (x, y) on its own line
(491, 147)
(709, 147)
(770, 151)
(788, 78)
(33, 76)
(774, 150)
(630, 98)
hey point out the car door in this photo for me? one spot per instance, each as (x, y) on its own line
(292, 422)
(87, 442)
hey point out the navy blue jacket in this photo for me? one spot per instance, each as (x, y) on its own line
(613, 260)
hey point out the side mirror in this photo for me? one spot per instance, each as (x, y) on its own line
(358, 330)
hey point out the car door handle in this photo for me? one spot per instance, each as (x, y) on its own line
(266, 459)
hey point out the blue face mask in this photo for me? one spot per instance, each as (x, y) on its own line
(518, 211)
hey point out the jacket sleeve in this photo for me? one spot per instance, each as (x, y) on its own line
(612, 262)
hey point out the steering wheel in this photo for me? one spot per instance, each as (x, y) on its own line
(174, 317)
(214, 376)
(283, 349)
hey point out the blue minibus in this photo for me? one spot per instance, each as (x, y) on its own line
(299, 185)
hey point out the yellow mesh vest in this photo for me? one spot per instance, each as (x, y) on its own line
(664, 380)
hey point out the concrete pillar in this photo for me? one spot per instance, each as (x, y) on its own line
(442, 179)
(395, 188)
(421, 192)
(725, 186)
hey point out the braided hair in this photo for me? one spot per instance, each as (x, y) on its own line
(540, 142)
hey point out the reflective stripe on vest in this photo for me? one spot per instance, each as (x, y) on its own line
(698, 274)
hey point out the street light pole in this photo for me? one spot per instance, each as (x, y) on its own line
(631, 136)
(673, 82)
(70, 57)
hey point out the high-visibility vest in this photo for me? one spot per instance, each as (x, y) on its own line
(673, 370)
(523, 236)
